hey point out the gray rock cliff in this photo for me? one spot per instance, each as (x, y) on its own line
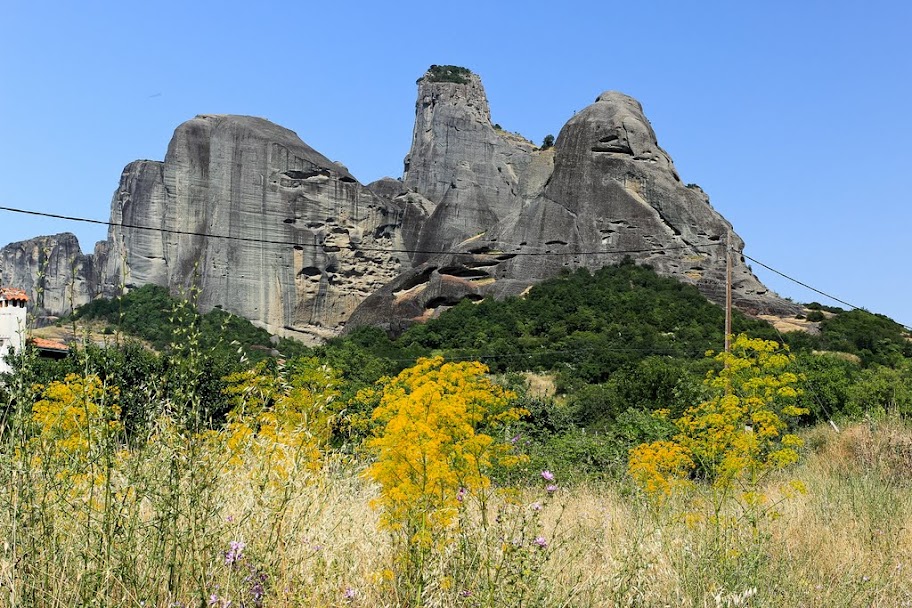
(261, 224)
(509, 215)
(54, 272)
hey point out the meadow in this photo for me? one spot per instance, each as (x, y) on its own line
(265, 511)
(208, 464)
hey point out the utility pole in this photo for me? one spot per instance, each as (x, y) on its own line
(728, 291)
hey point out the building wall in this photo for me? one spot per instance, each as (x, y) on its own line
(12, 329)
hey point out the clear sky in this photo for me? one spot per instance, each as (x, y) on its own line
(795, 117)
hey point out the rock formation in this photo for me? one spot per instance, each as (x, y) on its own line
(509, 215)
(262, 225)
(298, 241)
(53, 271)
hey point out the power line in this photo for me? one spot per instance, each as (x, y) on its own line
(803, 284)
(351, 247)
(424, 251)
(814, 289)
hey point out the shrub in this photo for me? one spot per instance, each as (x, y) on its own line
(433, 449)
(737, 436)
(815, 316)
(447, 73)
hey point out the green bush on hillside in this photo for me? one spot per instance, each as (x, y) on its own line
(151, 314)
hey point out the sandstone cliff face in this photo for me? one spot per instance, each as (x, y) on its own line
(509, 215)
(53, 271)
(299, 242)
(264, 226)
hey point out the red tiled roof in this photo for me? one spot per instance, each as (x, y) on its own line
(12, 293)
(48, 344)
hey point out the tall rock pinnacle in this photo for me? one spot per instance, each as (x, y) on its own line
(605, 191)
(460, 161)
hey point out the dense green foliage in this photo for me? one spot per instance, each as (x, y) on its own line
(151, 314)
(618, 344)
(448, 73)
(875, 338)
(585, 326)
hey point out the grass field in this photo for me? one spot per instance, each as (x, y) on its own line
(200, 520)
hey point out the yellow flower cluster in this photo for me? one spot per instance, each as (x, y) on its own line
(739, 434)
(660, 467)
(75, 418)
(284, 414)
(429, 449)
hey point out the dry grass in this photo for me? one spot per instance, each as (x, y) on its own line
(846, 542)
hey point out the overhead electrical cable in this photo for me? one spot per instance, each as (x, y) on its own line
(353, 248)
(803, 284)
(716, 243)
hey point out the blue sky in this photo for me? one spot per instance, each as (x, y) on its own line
(794, 117)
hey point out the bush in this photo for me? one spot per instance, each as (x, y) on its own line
(447, 73)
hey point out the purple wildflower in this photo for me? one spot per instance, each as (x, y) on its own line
(540, 542)
(547, 475)
(349, 593)
(460, 495)
(235, 552)
(515, 439)
(551, 488)
(466, 593)
(536, 506)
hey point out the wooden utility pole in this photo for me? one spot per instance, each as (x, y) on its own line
(728, 291)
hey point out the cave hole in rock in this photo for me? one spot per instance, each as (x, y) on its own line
(331, 248)
(315, 225)
(305, 174)
(384, 232)
(289, 220)
(505, 257)
(347, 179)
(423, 277)
(555, 242)
(463, 272)
(298, 248)
(442, 301)
(310, 271)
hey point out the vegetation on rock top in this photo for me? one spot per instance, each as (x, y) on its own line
(447, 73)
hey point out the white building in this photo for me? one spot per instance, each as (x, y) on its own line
(12, 323)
